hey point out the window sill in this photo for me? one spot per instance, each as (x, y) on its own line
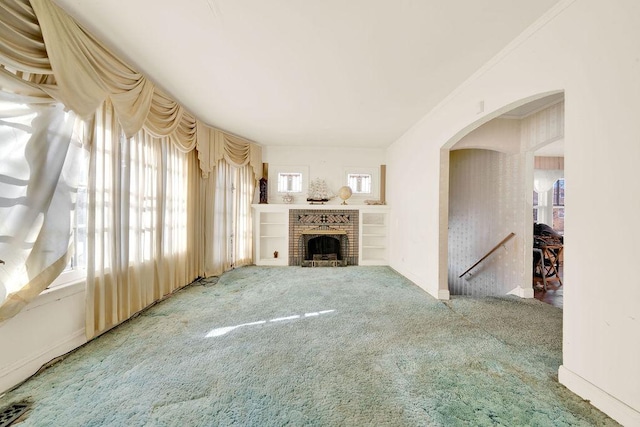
(57, 293)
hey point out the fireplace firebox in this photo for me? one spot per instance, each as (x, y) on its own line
(324, 248)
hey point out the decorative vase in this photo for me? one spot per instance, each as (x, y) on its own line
(263, 190)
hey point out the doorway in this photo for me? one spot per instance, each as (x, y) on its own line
(549, 217)
(498, 156)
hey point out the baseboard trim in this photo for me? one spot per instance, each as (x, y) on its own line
(440, 294)
(21, 370)
(443, 294)
(619, 411)
(521, 292)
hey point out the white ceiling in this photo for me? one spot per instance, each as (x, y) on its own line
(295, 72)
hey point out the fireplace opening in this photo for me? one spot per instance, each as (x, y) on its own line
(323, 249)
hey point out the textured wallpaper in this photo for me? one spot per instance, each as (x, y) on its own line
(486, 194)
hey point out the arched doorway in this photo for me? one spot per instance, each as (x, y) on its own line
(489, 176)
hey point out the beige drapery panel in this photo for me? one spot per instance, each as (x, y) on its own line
(243, 233)
(46, 56)
(143, 232)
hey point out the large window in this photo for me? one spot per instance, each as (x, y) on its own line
(43, 188)
(558, 206)
(76, 269)
(551, 200)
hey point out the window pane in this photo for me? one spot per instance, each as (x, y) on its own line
(289, 182)
(558, 219)
(558, 193)
(359, 183)
(79, 258)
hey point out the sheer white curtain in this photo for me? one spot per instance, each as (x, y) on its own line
(140, 208)
(38, 184)
(228, 228)
(243, 235)
(219, 254)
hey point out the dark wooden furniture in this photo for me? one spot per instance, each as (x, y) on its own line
(548, 263)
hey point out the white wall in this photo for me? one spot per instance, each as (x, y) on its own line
(51, 325)
(590, 49)
(328, 163)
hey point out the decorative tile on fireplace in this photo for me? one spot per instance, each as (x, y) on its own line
(322, 238)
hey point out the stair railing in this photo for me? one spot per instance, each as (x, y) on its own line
(502, 242)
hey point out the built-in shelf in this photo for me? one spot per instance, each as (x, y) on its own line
(272, 231)
(373, 237)
(271, 228)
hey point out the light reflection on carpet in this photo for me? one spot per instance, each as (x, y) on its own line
(218, 332)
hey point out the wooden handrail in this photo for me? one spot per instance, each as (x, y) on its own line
(502, 242)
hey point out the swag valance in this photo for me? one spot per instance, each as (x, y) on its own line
(46, 55)
(214, 145)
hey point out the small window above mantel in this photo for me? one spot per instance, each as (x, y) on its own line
(289, 182)
(360, 183)
(364, 182)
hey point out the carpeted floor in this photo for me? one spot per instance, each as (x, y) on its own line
(288, 346)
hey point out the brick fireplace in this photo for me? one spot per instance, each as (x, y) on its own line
(323, 237)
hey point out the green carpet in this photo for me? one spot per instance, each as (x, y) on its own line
(288, 346)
